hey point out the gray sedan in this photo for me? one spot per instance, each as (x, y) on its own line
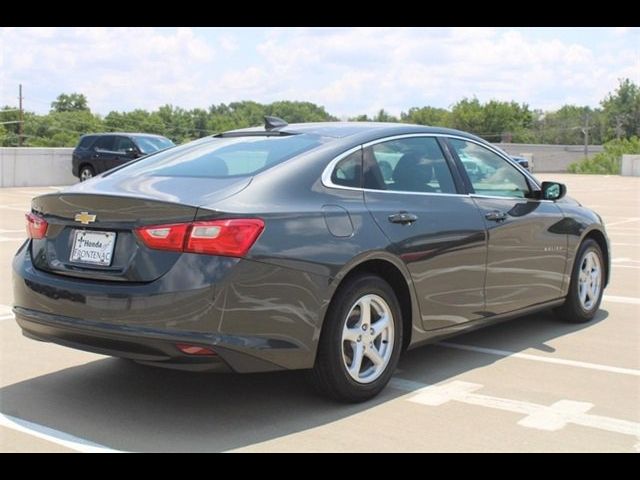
(331, 247)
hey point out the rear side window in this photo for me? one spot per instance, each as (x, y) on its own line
(85, 142)
(348, 171)
(224, 157)
(123, 144)
(104, 143)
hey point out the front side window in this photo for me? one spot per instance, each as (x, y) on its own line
(153, 144)
(489, 173)
(414, 164)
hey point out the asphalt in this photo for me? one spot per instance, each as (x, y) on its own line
(531, 384)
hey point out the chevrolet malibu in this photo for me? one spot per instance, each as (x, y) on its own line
(330, 247)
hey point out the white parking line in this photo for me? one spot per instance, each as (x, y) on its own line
(15, 207)
(52, 435)
(629, 220)
(11, 239)
(542, 417)
(622, 244)
(6, 312)
(539, 358)
(618, 299)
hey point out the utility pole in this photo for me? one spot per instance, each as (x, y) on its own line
(585, 130)
(21, 124)
(619, 119)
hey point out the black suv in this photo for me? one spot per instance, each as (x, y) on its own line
(99, 152)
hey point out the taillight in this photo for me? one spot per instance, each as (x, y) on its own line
(36, 226)
(164, 237)
(231, 238)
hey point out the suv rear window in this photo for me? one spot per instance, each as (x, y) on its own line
(224, 157)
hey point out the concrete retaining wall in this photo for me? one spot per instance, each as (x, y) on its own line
(630, 165)
(35, 167)
(31, 167)
(549, 158)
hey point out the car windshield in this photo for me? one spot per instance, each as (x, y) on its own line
(153, 144)
(223, 157)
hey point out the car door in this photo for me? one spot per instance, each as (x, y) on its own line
(415, 196)
(527, 256)
(103, 154)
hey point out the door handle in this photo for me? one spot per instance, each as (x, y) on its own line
(496, 216)
(404, 218)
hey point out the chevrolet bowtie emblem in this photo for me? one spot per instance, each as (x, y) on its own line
(84, 218)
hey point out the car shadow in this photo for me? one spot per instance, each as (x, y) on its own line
(131, 407)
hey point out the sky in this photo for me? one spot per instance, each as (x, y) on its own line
(349, 71)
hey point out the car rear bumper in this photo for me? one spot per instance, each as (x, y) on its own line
(141, 344)
(255, 316)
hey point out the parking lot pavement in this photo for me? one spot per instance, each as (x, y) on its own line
(532, 384)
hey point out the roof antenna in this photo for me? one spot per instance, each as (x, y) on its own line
(271, 123)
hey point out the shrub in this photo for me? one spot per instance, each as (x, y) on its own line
(608, 161)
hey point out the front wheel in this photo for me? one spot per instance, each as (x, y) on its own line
(360, 343)
(587, 284)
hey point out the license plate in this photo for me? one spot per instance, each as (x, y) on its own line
(95, 248)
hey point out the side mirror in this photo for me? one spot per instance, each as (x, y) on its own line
(132, 153)
(553, 190)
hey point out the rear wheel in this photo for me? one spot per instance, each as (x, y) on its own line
(360, 342)
(86, 172)
(587, 283)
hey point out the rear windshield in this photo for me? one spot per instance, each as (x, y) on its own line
(223, 157)
(152, 144)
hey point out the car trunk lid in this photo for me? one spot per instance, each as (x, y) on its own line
(91, 226)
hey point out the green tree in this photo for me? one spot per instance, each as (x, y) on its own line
(9, 131)
(384, 116)
(494, 120)
(437, 117)
(296, 112)
(135, 121)
(70, 103)
(622, 111)
(468, 115)
(59, 129)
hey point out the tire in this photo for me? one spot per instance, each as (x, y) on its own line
(582, 303)
(339, 348)
(86, 172)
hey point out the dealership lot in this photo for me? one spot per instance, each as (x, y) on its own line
(532, 384)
